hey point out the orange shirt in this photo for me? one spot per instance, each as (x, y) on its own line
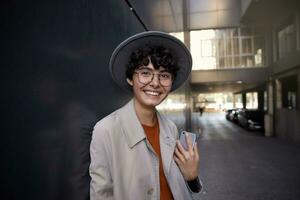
(152, 134)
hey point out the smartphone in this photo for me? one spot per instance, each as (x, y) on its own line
(183, 138)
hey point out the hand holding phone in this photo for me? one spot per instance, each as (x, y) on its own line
(186, 159)
(183, 139)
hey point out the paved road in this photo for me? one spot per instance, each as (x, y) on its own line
(240, 165)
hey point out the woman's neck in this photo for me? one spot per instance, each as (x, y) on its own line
(145, 114)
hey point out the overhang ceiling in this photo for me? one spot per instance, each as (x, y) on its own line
(164, 15)
(179, 15)
(224, 87)
(229, 80)
(262, 13)
(205, 14)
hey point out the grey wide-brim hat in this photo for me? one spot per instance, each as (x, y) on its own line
(121, 56)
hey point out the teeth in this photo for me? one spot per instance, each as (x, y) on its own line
(152, 93)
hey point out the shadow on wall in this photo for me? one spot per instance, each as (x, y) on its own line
(56, 85)
(61, 145)
(48, 141)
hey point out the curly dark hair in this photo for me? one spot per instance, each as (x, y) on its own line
(159, 57)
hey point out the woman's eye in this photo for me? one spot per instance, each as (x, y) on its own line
(165, 76)
(145, 73)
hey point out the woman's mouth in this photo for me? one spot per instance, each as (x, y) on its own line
(152, 93)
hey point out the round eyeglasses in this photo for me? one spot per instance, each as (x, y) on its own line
(145, 76)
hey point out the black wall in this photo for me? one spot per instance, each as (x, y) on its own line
(55, 85)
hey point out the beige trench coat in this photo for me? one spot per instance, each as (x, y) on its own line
(123, 163)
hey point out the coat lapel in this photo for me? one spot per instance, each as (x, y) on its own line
(134, 133)
(167, 144)
(133, 130)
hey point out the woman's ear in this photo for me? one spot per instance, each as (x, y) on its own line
(129, 81)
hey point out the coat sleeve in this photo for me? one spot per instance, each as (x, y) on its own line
(101, 186)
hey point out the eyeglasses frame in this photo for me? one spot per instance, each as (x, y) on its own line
(137, 72)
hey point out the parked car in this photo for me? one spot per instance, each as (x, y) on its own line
(251, 119)
(228, 113)
(231, 114)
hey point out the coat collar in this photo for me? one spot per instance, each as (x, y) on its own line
(134, 132)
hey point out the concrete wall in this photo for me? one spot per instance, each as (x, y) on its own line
(247, 75)
(287, 124)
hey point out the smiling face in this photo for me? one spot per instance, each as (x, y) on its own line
(151, 94)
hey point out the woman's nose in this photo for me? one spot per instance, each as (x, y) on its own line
(155, 80)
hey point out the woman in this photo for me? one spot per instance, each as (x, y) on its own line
(135, 153)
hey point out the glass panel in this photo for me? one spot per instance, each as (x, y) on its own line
(289, 88)
(228, 61)
(258, 58)
(251, 100)
(246, 46)
(238, 101)
(286, 41)
(221, 62)
(203, 49)
(214, 101)
(221, 49)
(206, 48)
(228, 46)
(258, 50)
(291, 100)
(247, 61)
(265, 101)
(225, 48)
(236, 61)
(236, 47)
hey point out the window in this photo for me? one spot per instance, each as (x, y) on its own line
(289, 92)
(203, 49)
(214, 101)
(258, 58)
(227, 48)
(238, 101)
(207, 48)
(286, 40)
(258, 51)
(247, 61)
(251, 100)
(291, 100)
(265, 101)
(247, 46)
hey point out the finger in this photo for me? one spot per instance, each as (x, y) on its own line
(182, 156)
(196, 152)
(180, 147)
(177, 160)
(179, 155)
(188, 139)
